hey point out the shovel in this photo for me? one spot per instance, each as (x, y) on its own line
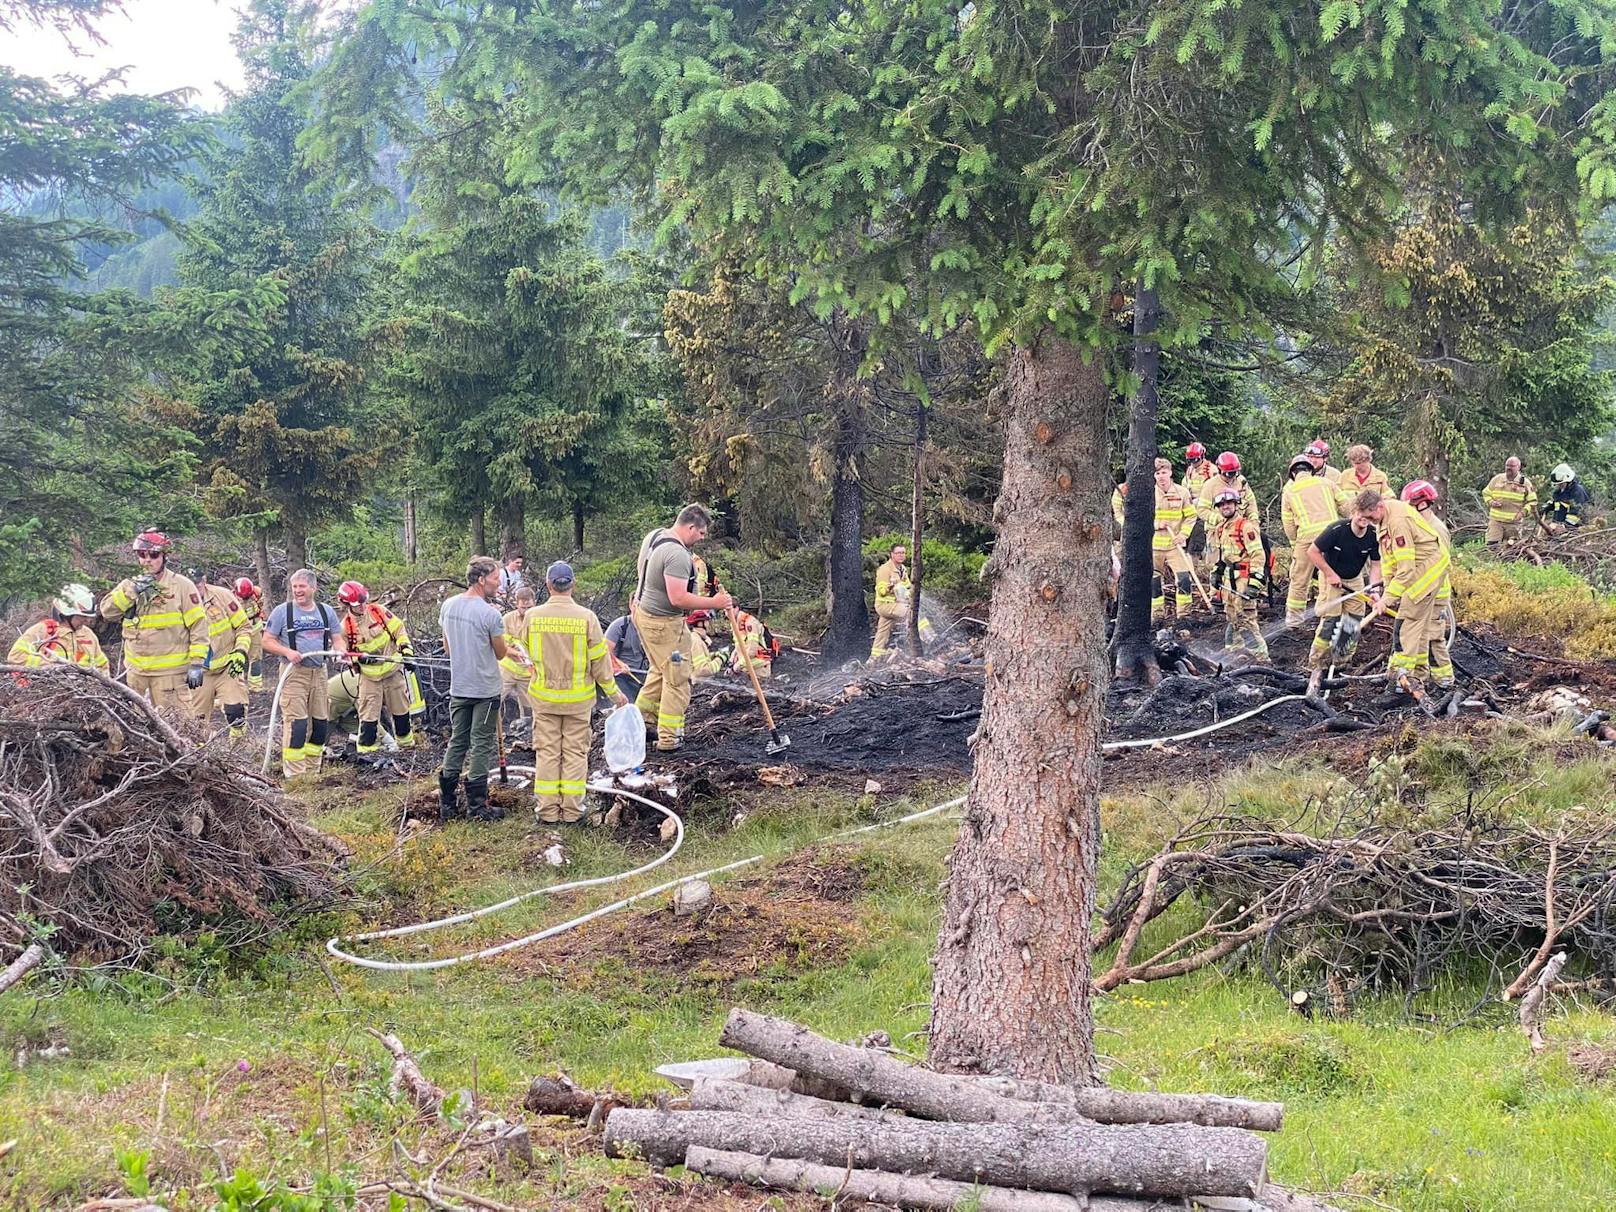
(779, 742)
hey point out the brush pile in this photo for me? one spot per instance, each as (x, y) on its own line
(118, 825)
(1372, 906)
(814, 1115)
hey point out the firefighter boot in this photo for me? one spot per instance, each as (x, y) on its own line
(448, 803)
(477, 806)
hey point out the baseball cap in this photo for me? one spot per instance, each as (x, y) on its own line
(559, 574)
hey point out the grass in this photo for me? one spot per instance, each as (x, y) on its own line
(187, 1083)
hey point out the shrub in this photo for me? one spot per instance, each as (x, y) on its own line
(1525, 599)
(950, 571)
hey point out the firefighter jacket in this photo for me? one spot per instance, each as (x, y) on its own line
(228, 628)
(1307, 506)
(1119, 496)
(50, 640)
(513, 628)
(378, 634)
(703, 662)
(1239, 547)
(749, 632)
(1218, 483)
(1508, 500)
(253, 609)
(1175, 517)
(1196, 476)
(568, 648)
(1568, 503)
(1414, 553)
(1331, 474)
(165, 628)
(891, 584)
(1351, 485)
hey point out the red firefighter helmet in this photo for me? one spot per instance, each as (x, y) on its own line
(1195, 451)
(352, 593)
(1416, 491)
(1228, 462)
(153, 540)
(697, 617)
(1319, 447)
(245, 588)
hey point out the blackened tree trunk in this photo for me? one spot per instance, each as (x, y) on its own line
(1131, 645)
(917, 529)
(512, 528)
(577, 525)
(297, 544)
(261, 563)
(849, 634)
(479, 533)
(1010, 982)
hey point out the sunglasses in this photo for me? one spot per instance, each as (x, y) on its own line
(148, 555)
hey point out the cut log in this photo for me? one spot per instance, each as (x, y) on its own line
(22, 966)
(868, 1075)
(1139, 1159)
(407, 1078)
(558, 1095)
(1107, 1106)
(715, 1094)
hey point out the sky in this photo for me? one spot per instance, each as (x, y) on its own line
(165, 44)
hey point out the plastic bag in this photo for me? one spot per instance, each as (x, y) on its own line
(625, 738)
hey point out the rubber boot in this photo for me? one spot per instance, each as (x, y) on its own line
(448, 803)
(477, 806)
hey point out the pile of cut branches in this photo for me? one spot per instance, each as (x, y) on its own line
(1370, 906)
(118, 824)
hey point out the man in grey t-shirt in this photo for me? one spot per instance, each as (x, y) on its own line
(474, 634)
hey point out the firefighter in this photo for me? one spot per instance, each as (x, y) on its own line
(1239, 574)
(1363, 475)
(1197, 472)
(1175, 516)
(224, 678)
(1341, 552)
(1568, 504)
(302, 632)
(165, 633)
(1119, 498)
(568, 648)
(761, 646)
(513, 675)
(891, 598)
(1308, 505)
(1416, 551)
(376, 641)
(664, 594)
(1509, 497)
(705, 660)
(1228, 478)
(252, 605)
(64, 635)
(1318, 455)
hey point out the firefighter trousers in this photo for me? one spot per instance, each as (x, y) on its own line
(1241, 632)
(305, 719)
(166, 691)
(1330, 616)
(1171, 567)
(229, 692)
(560, 765)
(1300, 586)
(1420, 644)
(389, 693)
(1499, 531)
(665, 697)
(888, 615)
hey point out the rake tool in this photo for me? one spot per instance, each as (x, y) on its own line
(779, 742)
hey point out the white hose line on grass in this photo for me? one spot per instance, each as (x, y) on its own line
(335, 946)
(1150, 742)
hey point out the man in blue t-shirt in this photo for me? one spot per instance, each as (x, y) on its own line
(302, 632)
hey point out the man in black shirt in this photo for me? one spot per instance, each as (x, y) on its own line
(1341, 553)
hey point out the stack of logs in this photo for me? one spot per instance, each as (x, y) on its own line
(814, 1115)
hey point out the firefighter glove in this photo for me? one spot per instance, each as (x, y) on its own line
(193, 677)
(236, 663)
(144, 586)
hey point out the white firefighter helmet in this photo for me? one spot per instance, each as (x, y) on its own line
(74, 599)
(1563, 474)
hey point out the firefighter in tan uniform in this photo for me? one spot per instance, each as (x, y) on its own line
(1175, 518)
(1416, 552)
(64, 636)
(252, 605)
(165, 634)
(1308, 504)
(377, 642)
(891, 598)
(1317, 454)
(568, 647)
(1198, 470)
(224, 679)
(705, 659)
(1362, 474)
(304, 632)
(1239, 574)
(666, 591)
(1227, 479)
(513, 675)
(748, 631)
(1509, 497)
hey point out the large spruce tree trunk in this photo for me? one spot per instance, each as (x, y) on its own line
(849, 634)
(297, 544)
(479, 533)
(578, 526)
(917, 528)
(512, 528)
(1134, 658)
(1010, 982)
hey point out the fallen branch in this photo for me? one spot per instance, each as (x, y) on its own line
(1534, 1006)
(22, 966)
(1165, 1160)
(407, 1077)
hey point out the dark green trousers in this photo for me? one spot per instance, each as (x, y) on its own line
(472, 724)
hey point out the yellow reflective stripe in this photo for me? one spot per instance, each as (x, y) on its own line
(543, 787)
(596, 651)
(121, 599)
(572, 786)
(168, 660)
(192, 616)
(677, 721)
(292, 755)
(171, 618)
(608, 687)
(1429, 577)
(198, 653)
(546, 695)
